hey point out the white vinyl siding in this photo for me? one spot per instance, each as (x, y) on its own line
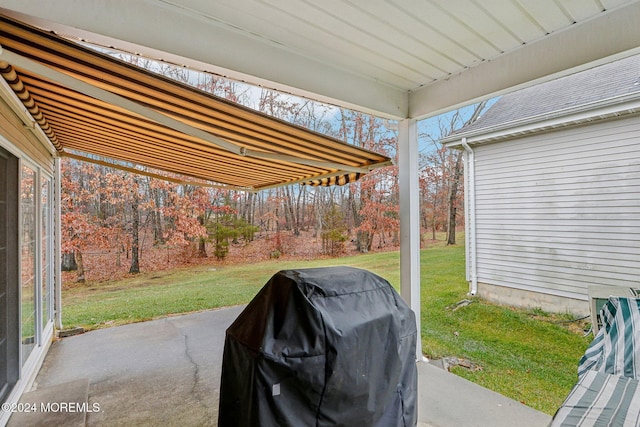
(559, 211)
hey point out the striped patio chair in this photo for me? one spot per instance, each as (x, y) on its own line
(600, 399)
(607, 392)
(615, 349)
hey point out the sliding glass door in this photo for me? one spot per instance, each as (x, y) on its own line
(26, 268)
(9, 291)
(28, 260)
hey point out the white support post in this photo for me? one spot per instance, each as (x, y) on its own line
(57, 244)
(410, 219)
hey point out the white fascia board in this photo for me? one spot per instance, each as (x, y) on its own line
(157, 32)
(606, 37)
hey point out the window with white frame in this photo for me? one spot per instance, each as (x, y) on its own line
(47, 249)
(28, 258)
(36, 255)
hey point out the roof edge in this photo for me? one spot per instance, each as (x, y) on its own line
(598, 110)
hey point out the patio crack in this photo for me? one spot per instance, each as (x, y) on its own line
(196, 382)
(196, 368)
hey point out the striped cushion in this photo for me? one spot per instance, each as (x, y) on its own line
(615, 349)
(599, 399)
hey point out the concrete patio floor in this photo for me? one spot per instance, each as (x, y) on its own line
(166, 372)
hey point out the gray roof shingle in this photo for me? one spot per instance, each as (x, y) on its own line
(607, 81)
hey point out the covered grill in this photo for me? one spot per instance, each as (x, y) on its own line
(321, 347)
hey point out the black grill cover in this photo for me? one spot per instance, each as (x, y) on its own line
(321, 347)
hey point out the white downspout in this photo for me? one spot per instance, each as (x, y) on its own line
(470, 203)
(57, 244)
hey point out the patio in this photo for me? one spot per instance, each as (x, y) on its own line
(167, 372)
(403, 61)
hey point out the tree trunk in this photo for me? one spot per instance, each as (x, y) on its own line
(119, 250)
(290, 215)
(457, 173)
(299, 216)
(152, 219)
(202, 248)
(81, 278)
(156, 218)
(202, 242)
(370, 237)
(135, 232)
(69, 262)
(362, 237)
(451, 205)
(317, 218)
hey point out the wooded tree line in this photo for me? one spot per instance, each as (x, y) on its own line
(122, 213)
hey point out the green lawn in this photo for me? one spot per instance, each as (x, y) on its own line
(527, 355)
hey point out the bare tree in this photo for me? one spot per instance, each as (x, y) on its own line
(454, 182)
(442, 173)
(135, 227)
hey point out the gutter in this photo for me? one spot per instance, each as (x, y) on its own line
(470, 214)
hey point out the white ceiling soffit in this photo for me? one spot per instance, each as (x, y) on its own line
(395, 58)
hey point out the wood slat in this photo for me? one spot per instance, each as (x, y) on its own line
(117, 76)
(102, 114)
(83, 123)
